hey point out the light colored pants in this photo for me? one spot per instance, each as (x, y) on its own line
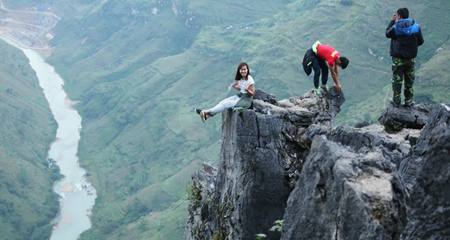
(224, 104)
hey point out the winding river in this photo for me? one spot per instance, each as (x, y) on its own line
(77, 196)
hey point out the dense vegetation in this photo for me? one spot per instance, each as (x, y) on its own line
(27, 202)
(139, 67)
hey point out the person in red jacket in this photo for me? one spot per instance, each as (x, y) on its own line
(320, 58)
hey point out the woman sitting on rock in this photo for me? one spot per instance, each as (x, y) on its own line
(242, 82)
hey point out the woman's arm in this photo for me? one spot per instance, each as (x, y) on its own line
(235, 85)
(251, 89)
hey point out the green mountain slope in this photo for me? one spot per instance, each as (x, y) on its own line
(27, 202)
(138, 69)
(135, 149)
(136, 103)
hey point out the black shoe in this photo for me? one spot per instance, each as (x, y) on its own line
(394, 103)
(198, 111)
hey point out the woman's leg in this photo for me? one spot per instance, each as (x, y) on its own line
(222, 105)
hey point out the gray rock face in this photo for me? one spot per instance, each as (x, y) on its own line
(430, 194)
(252, 188)
(393, 146)
(200, 211)
(412, 164)
(260, 158)
(284, 160)
(396, 118)
(346, 191)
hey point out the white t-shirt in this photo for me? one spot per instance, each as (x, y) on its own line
(244, 83)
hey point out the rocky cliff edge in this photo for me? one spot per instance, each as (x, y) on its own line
(286, 172)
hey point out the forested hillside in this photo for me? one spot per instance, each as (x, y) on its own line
(27, 201)
(138, 68)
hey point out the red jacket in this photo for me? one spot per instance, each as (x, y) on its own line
(327, 53)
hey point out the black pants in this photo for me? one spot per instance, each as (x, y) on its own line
(320, 66)
(311, 60)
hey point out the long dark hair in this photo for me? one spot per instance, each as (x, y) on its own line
(238, 74)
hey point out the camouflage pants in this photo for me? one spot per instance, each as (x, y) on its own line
(403, 68)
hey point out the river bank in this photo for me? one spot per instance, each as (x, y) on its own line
(77, 196)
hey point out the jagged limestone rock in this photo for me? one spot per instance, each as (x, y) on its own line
(200, 196)
(410, 166)
(251, 189)
(251, 185)
(266, 97)
(430, 193)
(394, 146)
(397, 118)
(346, 191)
(331, 202)
(260, 154)
(350, 183)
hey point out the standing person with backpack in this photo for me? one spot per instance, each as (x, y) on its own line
(245, 84)
(406, 37)
(320, 58)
